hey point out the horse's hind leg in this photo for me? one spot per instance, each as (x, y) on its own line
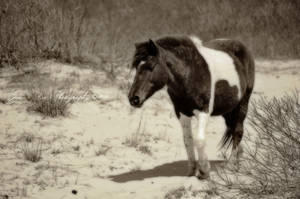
(188, 142)
(235, 126)
(236, 130)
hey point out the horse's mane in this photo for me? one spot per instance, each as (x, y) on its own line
(181, 46)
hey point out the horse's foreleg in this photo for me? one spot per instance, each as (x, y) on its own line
(188, 142)
(203, 166)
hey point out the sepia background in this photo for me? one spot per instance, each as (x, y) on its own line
(68, 131)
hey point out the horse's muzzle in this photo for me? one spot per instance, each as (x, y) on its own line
(135, 101)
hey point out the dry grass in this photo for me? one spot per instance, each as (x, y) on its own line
(138, 140)
(176, 193)
(144, 149)
(76, 148)
(102, 150)
(3, 100)
(135, 139)
(271, 165)
(31, 147)
(188, 192)
(49, 102)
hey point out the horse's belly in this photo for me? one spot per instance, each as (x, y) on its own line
(226, 98)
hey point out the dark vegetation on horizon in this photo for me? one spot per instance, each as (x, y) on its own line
(103, 32)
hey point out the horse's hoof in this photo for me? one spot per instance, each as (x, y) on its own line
(201, 175)
(190, 173)
(191, 170)
(202, 172)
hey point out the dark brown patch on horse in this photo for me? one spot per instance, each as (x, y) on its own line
(226, 97)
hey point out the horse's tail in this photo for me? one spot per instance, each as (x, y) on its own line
(227, 139)
(247, 60)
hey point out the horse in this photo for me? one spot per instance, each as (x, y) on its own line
(203, 79)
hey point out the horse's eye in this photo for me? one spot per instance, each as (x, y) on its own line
(169, 64)
(149, 66)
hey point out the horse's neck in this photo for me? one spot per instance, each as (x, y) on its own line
(178, 73)
(187, 79)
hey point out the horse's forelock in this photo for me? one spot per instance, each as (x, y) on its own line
(141, 53)
(137, 58)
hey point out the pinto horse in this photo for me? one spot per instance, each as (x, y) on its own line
(203, 79)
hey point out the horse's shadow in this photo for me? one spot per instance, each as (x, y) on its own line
(178, 168)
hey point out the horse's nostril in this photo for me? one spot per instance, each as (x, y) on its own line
(135, 100)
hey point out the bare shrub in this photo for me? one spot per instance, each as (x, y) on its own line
(49, 102)
(271, 165)
(71, 31)
(8, 57)
(46, 29)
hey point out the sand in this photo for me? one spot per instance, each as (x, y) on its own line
(104, 148)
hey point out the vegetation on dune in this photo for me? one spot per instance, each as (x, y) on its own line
(101, 32)
(31, 147)
(189, 192)
(271, 163)
(138, 140)
(49, 102)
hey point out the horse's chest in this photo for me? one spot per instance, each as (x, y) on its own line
(184, 104)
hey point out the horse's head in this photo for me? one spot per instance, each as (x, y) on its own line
(151, 75)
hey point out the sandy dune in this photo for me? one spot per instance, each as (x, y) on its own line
(88, 151)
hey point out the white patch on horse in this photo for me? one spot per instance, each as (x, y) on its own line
(141, 63)
(202, 123)
(221, 67)
(202, 118)
(200, 143)
(222, 39)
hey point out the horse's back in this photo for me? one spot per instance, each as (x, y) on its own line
(242, 57)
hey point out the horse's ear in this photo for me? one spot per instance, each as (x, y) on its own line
(141, 45)
(137, 45)
(152, 48)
